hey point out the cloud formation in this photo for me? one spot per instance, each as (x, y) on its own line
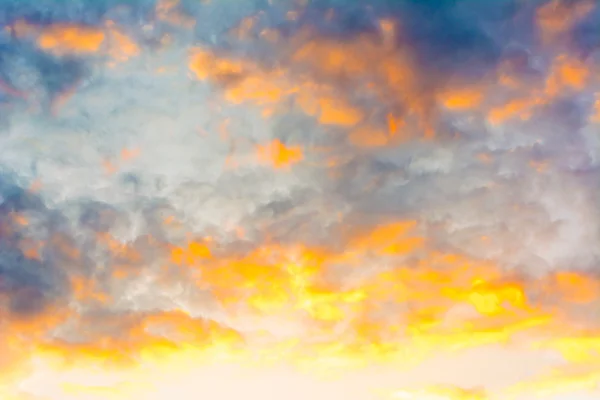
(292, 186)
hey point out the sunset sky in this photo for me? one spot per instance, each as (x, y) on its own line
(358, 200)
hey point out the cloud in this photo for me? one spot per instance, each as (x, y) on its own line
(324, 180)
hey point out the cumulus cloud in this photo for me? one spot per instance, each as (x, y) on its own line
(241, 175)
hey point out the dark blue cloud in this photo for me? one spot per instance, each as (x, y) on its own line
(30, 283)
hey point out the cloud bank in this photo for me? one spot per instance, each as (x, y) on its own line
(393, 191)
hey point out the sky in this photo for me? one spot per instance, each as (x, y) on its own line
(299, 199)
